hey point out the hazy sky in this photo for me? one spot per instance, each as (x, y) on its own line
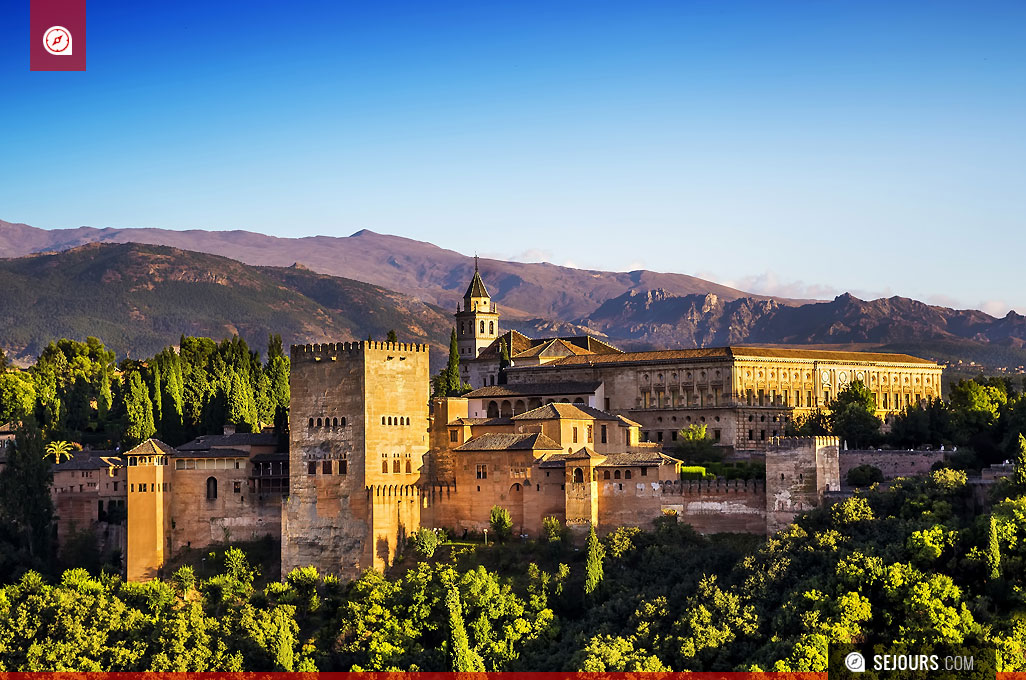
(802, 149)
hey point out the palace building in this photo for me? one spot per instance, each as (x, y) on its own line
(569, 428)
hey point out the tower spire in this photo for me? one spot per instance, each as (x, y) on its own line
(475, 263)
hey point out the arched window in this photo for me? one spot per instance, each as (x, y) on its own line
(627, 474)
(343, 421)
(211, 489)
(463, 328)
(390, 420)
(318, 422)
(382, 420)
(409, 466)
(311, 422)
(407, 420)
(334, 422)
(578, 476)
(491, 328)
(482, 327)
(605, 474)
(616, 474)
(384, 466)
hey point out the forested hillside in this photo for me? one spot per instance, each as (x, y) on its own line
(914, 564)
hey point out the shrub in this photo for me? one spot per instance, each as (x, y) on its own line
(425, 541)
(692, 472)
(501, 523)
(553, 529)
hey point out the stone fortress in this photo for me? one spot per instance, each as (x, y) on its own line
(570, 428)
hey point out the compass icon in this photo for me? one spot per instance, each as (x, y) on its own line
(57, 41)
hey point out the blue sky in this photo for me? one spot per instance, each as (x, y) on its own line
(802, 149)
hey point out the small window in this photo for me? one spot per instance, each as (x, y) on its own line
(616, 474)
(491, 328)
(396, 467)
(384, 466)
(311, 468)
(409, 467)
(644, 472)
(627, 474)
(482, 327)
(325, 467)
(334, 422)
(382, 420)
(605, 474)
(211, 488)
(590, 434)
(578, 476)
(318, 422)
(482, 472)
(454, 436)
(343, 467)
(237, 487)
(311, 422)
(602, 434)
(575, 435)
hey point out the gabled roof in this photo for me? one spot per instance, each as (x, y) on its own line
(90, 460)
(636, 459)
(563, 410)
(534, 390)
(482, 421)
(583, 453)
(207, 441)
(150, 447)
(498, 441)
(518, 344)
(556, 346)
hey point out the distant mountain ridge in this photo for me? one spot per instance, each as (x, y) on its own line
(149, 294)
(416, 268)
(139, 298)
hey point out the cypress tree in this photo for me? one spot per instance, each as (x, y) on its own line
(1020, 462)
(138, 410)
(104, 398)
(391, 337)
(993, 551)
(452, 369)
(464, 659)
(156, 394)
(25, 503)
(593, 564)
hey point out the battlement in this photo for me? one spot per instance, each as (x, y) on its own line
(713, 486)
(803, 442)
(332, 350)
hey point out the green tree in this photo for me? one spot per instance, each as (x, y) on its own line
(864, 475)
(463, 658)
(501, 523)
(853, 416)
(26, 511)
(104, 397)
(17, 396)
(425, 542)
(593, 571)
(448, 382)
(1020, 462)
(695, 446)
(391, 337)
(138, 409)
(993, 550)
(812, 424)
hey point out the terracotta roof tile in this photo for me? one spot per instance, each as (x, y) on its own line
(497, 441)
(534, 389)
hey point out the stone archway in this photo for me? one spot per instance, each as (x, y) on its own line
(516, 508)
(505, 409)
(519, 407)
(493, 409)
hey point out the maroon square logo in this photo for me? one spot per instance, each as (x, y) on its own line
(58, 40)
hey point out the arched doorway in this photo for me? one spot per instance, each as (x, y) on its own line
(516, 508)
(578, 476)
(493, 409)
(519, 407)
(506, 409)
(534, 403)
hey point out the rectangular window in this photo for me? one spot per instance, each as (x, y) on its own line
(575, 435)
(603, 434)
(482, 472)
(659, 435)
(343, 467)
(237, 487)
(716, 435)
(454, 436)
(673, 435)
(751, 435)
(607, 403)
(132, 488)
(590, 435)
(326, 467)
(644, 472)
(311, 468)
(762, 435)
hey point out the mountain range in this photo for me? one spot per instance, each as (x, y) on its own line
(138, 289)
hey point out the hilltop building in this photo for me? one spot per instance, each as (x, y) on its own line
(568, 428)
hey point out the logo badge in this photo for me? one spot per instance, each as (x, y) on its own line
(855, 662)
(57, 41)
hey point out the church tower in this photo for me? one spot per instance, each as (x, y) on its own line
(477, 325)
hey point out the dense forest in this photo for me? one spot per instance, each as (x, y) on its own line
(76, 391)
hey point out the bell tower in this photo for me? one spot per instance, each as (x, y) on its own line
(477, 324)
